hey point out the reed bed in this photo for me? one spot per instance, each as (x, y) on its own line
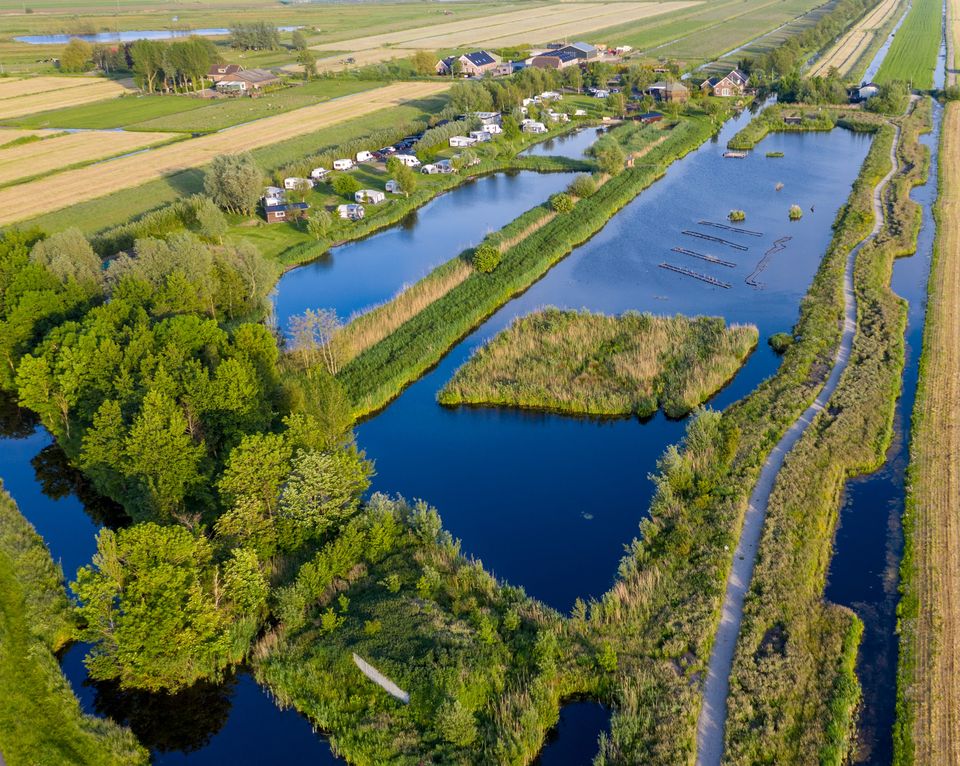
(576, 362)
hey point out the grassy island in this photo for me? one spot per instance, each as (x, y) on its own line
(583, 363)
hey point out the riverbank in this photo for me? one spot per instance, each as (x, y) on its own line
(45, 725)
(928, 691)
(793, 647)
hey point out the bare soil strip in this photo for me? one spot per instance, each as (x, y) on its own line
(844, 54)
(713, 714)
(935, 486)
(54, 154)
(95, 90)
(80, 185)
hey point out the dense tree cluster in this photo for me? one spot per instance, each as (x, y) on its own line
(254, 36)
(177, 66)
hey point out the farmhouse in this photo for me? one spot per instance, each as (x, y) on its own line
(287, 211)
(729, 85)
(247, 81)
(219, 71)
(558, 59)
(372, 196)
(474, 64)
(351, 212)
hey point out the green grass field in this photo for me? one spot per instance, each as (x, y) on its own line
(185, 114)
(913, 53)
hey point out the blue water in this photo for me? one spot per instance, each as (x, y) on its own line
(869, 542)
(573, 742)
(131, 35)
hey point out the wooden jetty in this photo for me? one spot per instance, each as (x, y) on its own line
(718, 240)
(705, 257)
(728, 227)
(696, 275)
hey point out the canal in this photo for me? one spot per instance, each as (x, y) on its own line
(557, 498)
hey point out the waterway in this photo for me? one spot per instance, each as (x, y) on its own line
(547, 502)
(129, 36)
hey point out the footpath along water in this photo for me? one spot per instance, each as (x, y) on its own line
(869, 543)
(565, 494)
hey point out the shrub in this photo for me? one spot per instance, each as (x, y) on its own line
(780, 341)
(582, 186)
(562, 203)
(775, 154)
(737, 216)
(345, 186)
(486, 257)
(796, 212)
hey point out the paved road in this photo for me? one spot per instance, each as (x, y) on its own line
(713, 714)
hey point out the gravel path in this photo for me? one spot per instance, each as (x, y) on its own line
(713, 714)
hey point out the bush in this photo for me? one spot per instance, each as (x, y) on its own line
(737, 216)
(582, 186)
(780, 341)
(775, 154)
(796, 212)
(346, 186)
(486, 257)
(562, 203)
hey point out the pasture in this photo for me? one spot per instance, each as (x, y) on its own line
(84, 184)
(76, 91)
(54, 154)
(188, 114)
(850, 47)
(913, 53)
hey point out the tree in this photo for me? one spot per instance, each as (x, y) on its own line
(467, 97)
(299, 40)
(617, 104)
(68, 255)
(147, 58)
(573, 78)
(582, 186)
(258, 35)
(486, 257)
(308, 60)
(609, 156)
(424, 63)
(234, 182)
(405, 176)
(312, 333)
(76, 56)
(345, 185)
(319, 222)
(160, 613)
(511, 129)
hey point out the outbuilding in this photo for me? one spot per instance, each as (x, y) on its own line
(288, 211)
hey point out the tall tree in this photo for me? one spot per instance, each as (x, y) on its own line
(76, 56)
(234, 182)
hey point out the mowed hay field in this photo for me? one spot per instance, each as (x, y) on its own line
(534, 25)
(851, 46)
(913, 52)
(80, 185)
(52, 154)
(929, 688)
(74, 91)
(15, 134)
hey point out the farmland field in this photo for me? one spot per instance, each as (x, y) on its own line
(191, 115)
(7, 135)
(851, 47)
(929, 705)
(92, 89)
(535, 25)
(44, 157)
(913, 53)
(88, 183)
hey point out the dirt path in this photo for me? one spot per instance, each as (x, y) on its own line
(934, 493)
(713, 714)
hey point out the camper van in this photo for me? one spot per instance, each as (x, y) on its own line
(342, 164)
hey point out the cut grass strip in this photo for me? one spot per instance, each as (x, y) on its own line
(913, 52)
